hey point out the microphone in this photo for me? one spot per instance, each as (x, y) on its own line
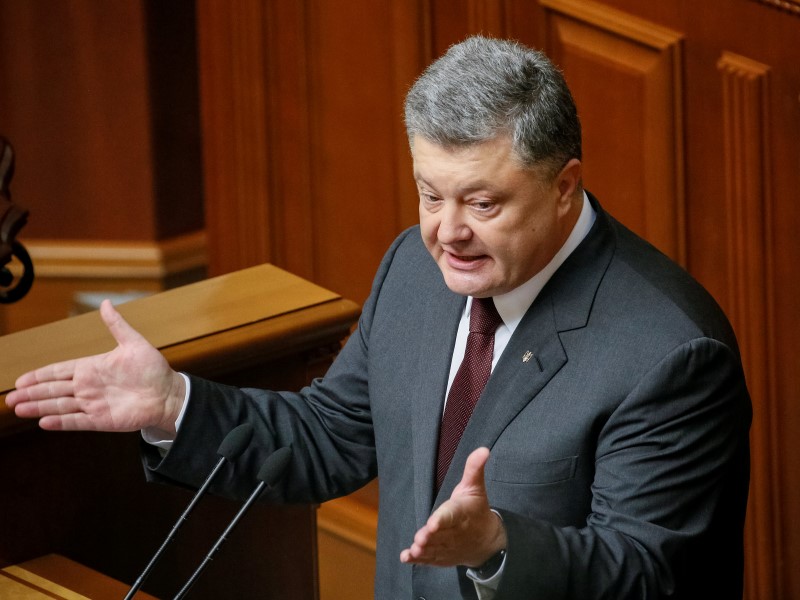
(231, 447)
(269, 474)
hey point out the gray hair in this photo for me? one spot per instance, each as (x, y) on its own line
(484, 87)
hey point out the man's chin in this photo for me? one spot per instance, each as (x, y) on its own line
(458, 283)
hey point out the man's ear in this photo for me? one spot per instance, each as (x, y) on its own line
(568, 180)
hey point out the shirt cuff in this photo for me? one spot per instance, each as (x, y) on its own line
(486, 588)
(157, 440)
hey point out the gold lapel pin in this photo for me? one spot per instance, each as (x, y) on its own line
(527, 356)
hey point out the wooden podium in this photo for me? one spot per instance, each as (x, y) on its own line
(83, 496)
(54, 576)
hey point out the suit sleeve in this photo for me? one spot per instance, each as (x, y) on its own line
(670, 468)
(328, 424)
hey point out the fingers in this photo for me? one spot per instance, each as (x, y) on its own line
(37, 386)
(422, 551)
(69, 422)
(53, 423)
(433, 542)
(408, 556)
(119, 327)
(462, 529)
(56, 414)
(123, 333)
(42, 408)
(54, 372)
(46, 391)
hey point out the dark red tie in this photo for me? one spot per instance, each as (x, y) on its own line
(469, 381)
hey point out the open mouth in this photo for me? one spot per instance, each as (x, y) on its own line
(460, 261)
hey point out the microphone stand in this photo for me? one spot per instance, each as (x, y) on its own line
(269, 474)
(230, 449)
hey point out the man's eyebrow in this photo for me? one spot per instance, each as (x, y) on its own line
(420, 179)
(480, 185)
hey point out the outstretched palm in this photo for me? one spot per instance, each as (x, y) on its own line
(130, 388)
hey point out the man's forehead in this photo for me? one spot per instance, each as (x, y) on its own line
(457, 147)
(486, 164)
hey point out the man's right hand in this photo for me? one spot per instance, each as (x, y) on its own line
(130, 388)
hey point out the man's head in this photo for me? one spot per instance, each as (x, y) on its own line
(483, 88)
(496, 144)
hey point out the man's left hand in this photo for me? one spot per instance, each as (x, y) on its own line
(463, 530)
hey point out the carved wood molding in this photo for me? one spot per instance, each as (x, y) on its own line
(748, 198)
(616, 21)
(626, 75)
(117, 259)
(792, 6)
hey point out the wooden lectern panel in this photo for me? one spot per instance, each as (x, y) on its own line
(54, 576)
(181, 321)
(82, 494)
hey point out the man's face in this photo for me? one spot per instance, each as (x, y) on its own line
(489, 223)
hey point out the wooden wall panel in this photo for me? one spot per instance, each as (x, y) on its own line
(486, 16)
(173, 98)
(290, 137)
(412, 51)
(646, 81)
(79, 99)
(73, 101)
(742, 104)
(347, 543)
(354, 118)
(233, 89)
(306, 160)
(748, 201)
(101, 105)
(625, 75)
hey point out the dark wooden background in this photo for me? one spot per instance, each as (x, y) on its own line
(275, 129)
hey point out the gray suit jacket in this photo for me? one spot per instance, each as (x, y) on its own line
(620, 458)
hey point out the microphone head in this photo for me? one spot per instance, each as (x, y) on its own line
(275, 466)
(236, 441)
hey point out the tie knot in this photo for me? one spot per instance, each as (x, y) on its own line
(484, 317)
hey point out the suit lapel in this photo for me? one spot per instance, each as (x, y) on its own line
(439, 326)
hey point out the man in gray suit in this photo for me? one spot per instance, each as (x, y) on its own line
(607, 456)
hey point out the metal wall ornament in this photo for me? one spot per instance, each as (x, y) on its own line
(792, 6)
(13, 217)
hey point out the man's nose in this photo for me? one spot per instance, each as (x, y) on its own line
(453, 226)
